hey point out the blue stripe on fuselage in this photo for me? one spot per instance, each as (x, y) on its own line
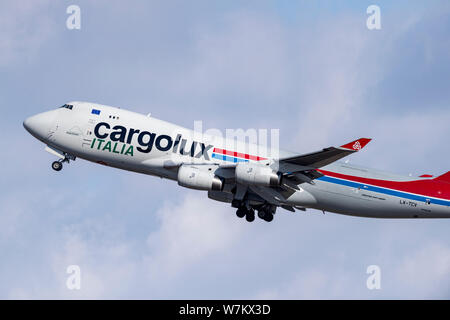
(384, 190)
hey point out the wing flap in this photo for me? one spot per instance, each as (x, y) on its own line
(269, 194)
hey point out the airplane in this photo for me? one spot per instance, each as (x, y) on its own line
(251, 182)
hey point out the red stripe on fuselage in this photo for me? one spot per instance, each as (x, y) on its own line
(428, 188)
(238, 154)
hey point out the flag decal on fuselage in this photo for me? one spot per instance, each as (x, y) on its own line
(233, 156)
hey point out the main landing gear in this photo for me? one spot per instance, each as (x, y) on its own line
(266, 215)
(265, 212)
(58, 165)
(249, 214)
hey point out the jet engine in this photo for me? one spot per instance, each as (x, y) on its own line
(254, 174)
(199, 178)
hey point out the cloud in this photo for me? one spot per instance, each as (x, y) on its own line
(24, 27)
(424, 272)
(305, 285)
(106, 268)
(407, 140)
(134, 236)
(189, 232)
(420, 272)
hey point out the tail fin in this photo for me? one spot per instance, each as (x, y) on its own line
(444, 178)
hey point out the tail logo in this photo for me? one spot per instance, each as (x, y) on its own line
(357, 146)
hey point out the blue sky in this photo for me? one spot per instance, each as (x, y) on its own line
(309, 68)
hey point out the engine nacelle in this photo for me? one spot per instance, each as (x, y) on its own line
(253, 174)
(193, 177)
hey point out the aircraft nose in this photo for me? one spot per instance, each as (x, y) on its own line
(38, 125)
(28, 123)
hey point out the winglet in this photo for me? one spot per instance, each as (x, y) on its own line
(357, 144)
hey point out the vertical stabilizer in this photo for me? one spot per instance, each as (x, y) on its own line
(445, 177)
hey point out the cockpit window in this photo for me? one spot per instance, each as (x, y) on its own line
(67, 106)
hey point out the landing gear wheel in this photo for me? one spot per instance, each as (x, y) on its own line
(57, 166)
(261, 214)
(241, 212)
(250, 216)
(268, 217)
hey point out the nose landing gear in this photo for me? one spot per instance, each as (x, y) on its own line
(58, 165)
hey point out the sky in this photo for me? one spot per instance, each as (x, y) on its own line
(311, 69)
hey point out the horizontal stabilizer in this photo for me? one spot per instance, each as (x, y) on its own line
(445, 177)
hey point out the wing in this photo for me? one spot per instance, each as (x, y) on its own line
(326, 156)
(294, 170)
(302, 168)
